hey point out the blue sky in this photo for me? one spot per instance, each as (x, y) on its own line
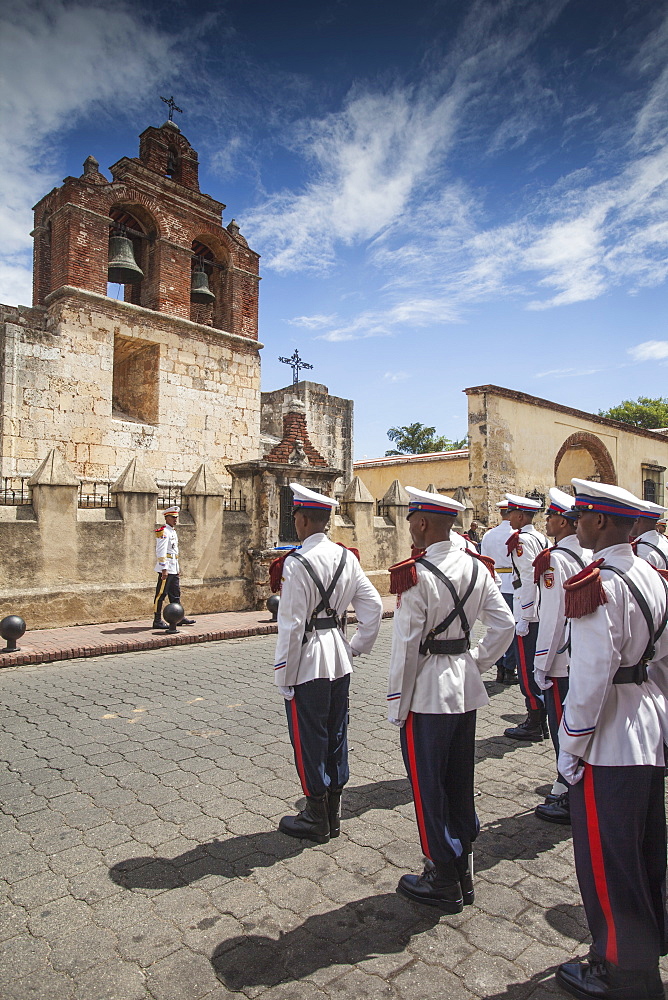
(444, 193)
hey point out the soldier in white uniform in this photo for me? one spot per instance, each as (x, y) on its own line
(313, 663)
(493, 545)
(167, 568)
(647, 542)
(435, 688)
(550, 666)
(523, 546)
(612, 733)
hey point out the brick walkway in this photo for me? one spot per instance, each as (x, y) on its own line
(141, 860)
(47, 645)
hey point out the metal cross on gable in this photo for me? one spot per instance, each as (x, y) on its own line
(172, 107)
(295, 363)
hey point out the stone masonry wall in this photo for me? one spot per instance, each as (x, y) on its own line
(57, 374)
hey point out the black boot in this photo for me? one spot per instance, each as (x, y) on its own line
(557, 811)
(158, 623)
(510, 678)
(312, 823)
(438, 885)
(464, 866)
(601, 980)
(334, 810)
(500, 674)
(531, 730)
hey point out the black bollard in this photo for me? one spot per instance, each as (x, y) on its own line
(173, 614)
(272, 607)
(11, 628)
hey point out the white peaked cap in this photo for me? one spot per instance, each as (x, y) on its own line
(604, 498)
(516, 502)
(432, 503)
(303, 497)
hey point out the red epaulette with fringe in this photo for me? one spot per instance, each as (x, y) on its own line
(276, 571)
(160, 530)
(584, 591)
(512, 542)
(355, 552)
(403, 576)
(485, 560)
(541, 563)
(661, 572)
(416, 552)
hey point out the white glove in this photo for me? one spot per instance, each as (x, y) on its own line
(397, 722)
(288, 693)
(543, 682)
(522, 627)
(569, 767)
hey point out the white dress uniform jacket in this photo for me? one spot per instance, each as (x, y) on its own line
(644, 551)
(325, 653)
(443, 683)
(552, 654)
(493, 544)
(167, 550)
(617, 725)
(525, 599)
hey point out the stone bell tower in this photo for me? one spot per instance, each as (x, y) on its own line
(143, 333)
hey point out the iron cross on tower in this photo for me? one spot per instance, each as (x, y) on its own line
(172, 107)
(295, 363)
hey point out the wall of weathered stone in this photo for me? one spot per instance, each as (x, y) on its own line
(202, 398)
(329, 420)
(519, 443)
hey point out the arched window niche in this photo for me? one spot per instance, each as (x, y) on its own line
(135, 223)
(209, 256)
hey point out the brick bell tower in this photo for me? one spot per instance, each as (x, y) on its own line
(175, 230)
(143, 336)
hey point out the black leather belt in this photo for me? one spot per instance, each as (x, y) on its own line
(631, 675)
(446, 647)
(320, 623)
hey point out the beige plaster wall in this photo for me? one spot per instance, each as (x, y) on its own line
(446, 470)
(515, 440)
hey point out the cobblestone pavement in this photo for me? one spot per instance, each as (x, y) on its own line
(140, 857)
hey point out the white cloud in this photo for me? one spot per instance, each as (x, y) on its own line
(60, 61)
(396, 376)
(315, 322)
(650, 350)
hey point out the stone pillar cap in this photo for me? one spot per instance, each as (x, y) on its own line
(54, 471)
(203, 484)
(357, 492)
(135, 479)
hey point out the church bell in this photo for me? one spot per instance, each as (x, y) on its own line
(199, 290)
(123, 268)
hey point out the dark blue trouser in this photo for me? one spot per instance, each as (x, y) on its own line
(619, 840)
(509, 659)
(168, 587)
(318, 725)
(525, 648)
(554, 704)
(439, 753)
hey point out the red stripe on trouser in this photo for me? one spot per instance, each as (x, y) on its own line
(597, 863)
(533, 703)
(417, 798)
(558, 706)
(299, 759)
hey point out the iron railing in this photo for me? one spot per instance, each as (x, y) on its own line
(171, 495)
(15, 491)
(382, 509)
(95, 494)
(234, 501)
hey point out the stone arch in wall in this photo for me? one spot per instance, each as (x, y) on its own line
(583, 456)
(135, 221)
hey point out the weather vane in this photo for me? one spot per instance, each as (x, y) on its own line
(172, 107)
(295, 363)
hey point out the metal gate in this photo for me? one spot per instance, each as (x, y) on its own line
(286, 529)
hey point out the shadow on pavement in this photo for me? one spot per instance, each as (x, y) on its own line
(516, 838)
(541, 986)
(378, 925)
(237, 857)
(569, 919)
(131, 630)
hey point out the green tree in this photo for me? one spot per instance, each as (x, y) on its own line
(643, 412)
(416, 439)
